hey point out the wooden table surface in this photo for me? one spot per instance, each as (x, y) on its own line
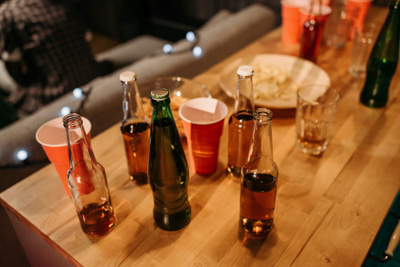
(328, 208)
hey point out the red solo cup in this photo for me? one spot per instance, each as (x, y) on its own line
(291, 20)
(363, 8)
(203, 122)
(53, 138)
(290, 24)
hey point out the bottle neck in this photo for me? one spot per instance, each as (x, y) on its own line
(386, 49)
(393, 16)
(244, 94)
(392, 20)
(261, 146)
(161, 108)
(79, 148)
(132, 102)
(395, 4)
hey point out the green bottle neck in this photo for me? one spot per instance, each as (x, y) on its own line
(161, 109)
(395, 4)
(386, 48)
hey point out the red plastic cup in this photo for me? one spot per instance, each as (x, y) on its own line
(363, 8)
(203, 122)
(291, 20)
(53, 138)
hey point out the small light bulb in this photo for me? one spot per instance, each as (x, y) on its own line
(167, 49)
(22, 155)
(197, 51)
(65, 111)
(77, 92)
(190, 36)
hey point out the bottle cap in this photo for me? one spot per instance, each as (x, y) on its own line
(127, 76)
(159, 94)
(245, 70)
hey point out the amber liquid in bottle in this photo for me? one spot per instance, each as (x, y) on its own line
(240, 132)
(136, 140)
(257, 202)
(97, 219)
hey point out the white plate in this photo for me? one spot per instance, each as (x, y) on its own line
(301, 71)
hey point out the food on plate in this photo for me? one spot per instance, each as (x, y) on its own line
(273, 82)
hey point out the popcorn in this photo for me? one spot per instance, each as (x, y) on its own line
(273, 82)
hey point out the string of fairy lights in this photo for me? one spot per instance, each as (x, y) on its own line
(193, 39)
(22, 154)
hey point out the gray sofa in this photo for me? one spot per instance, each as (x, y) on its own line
(221, 36)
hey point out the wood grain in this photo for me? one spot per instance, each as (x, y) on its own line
(328, 208)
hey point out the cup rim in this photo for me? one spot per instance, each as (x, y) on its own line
(314, 103)
(87, 124)
(204, 123)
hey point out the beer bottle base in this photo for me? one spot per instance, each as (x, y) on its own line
(172, 222)
(372, 103)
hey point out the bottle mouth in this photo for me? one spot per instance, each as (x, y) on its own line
(72, 120)
(263, 115)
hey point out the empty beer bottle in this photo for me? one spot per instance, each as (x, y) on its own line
(258, 180)
(135, 128)
(383, 60)
(87, 181)
(168, 169)
(241, 122)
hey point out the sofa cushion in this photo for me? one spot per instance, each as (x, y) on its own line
(132, 50)
(218, 39)
(221, 36)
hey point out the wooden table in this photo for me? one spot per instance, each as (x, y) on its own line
(328, 208)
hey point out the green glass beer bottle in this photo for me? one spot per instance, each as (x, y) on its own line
(383, 60)
(167, 167)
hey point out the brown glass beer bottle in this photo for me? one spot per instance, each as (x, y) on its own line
(135, 129)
